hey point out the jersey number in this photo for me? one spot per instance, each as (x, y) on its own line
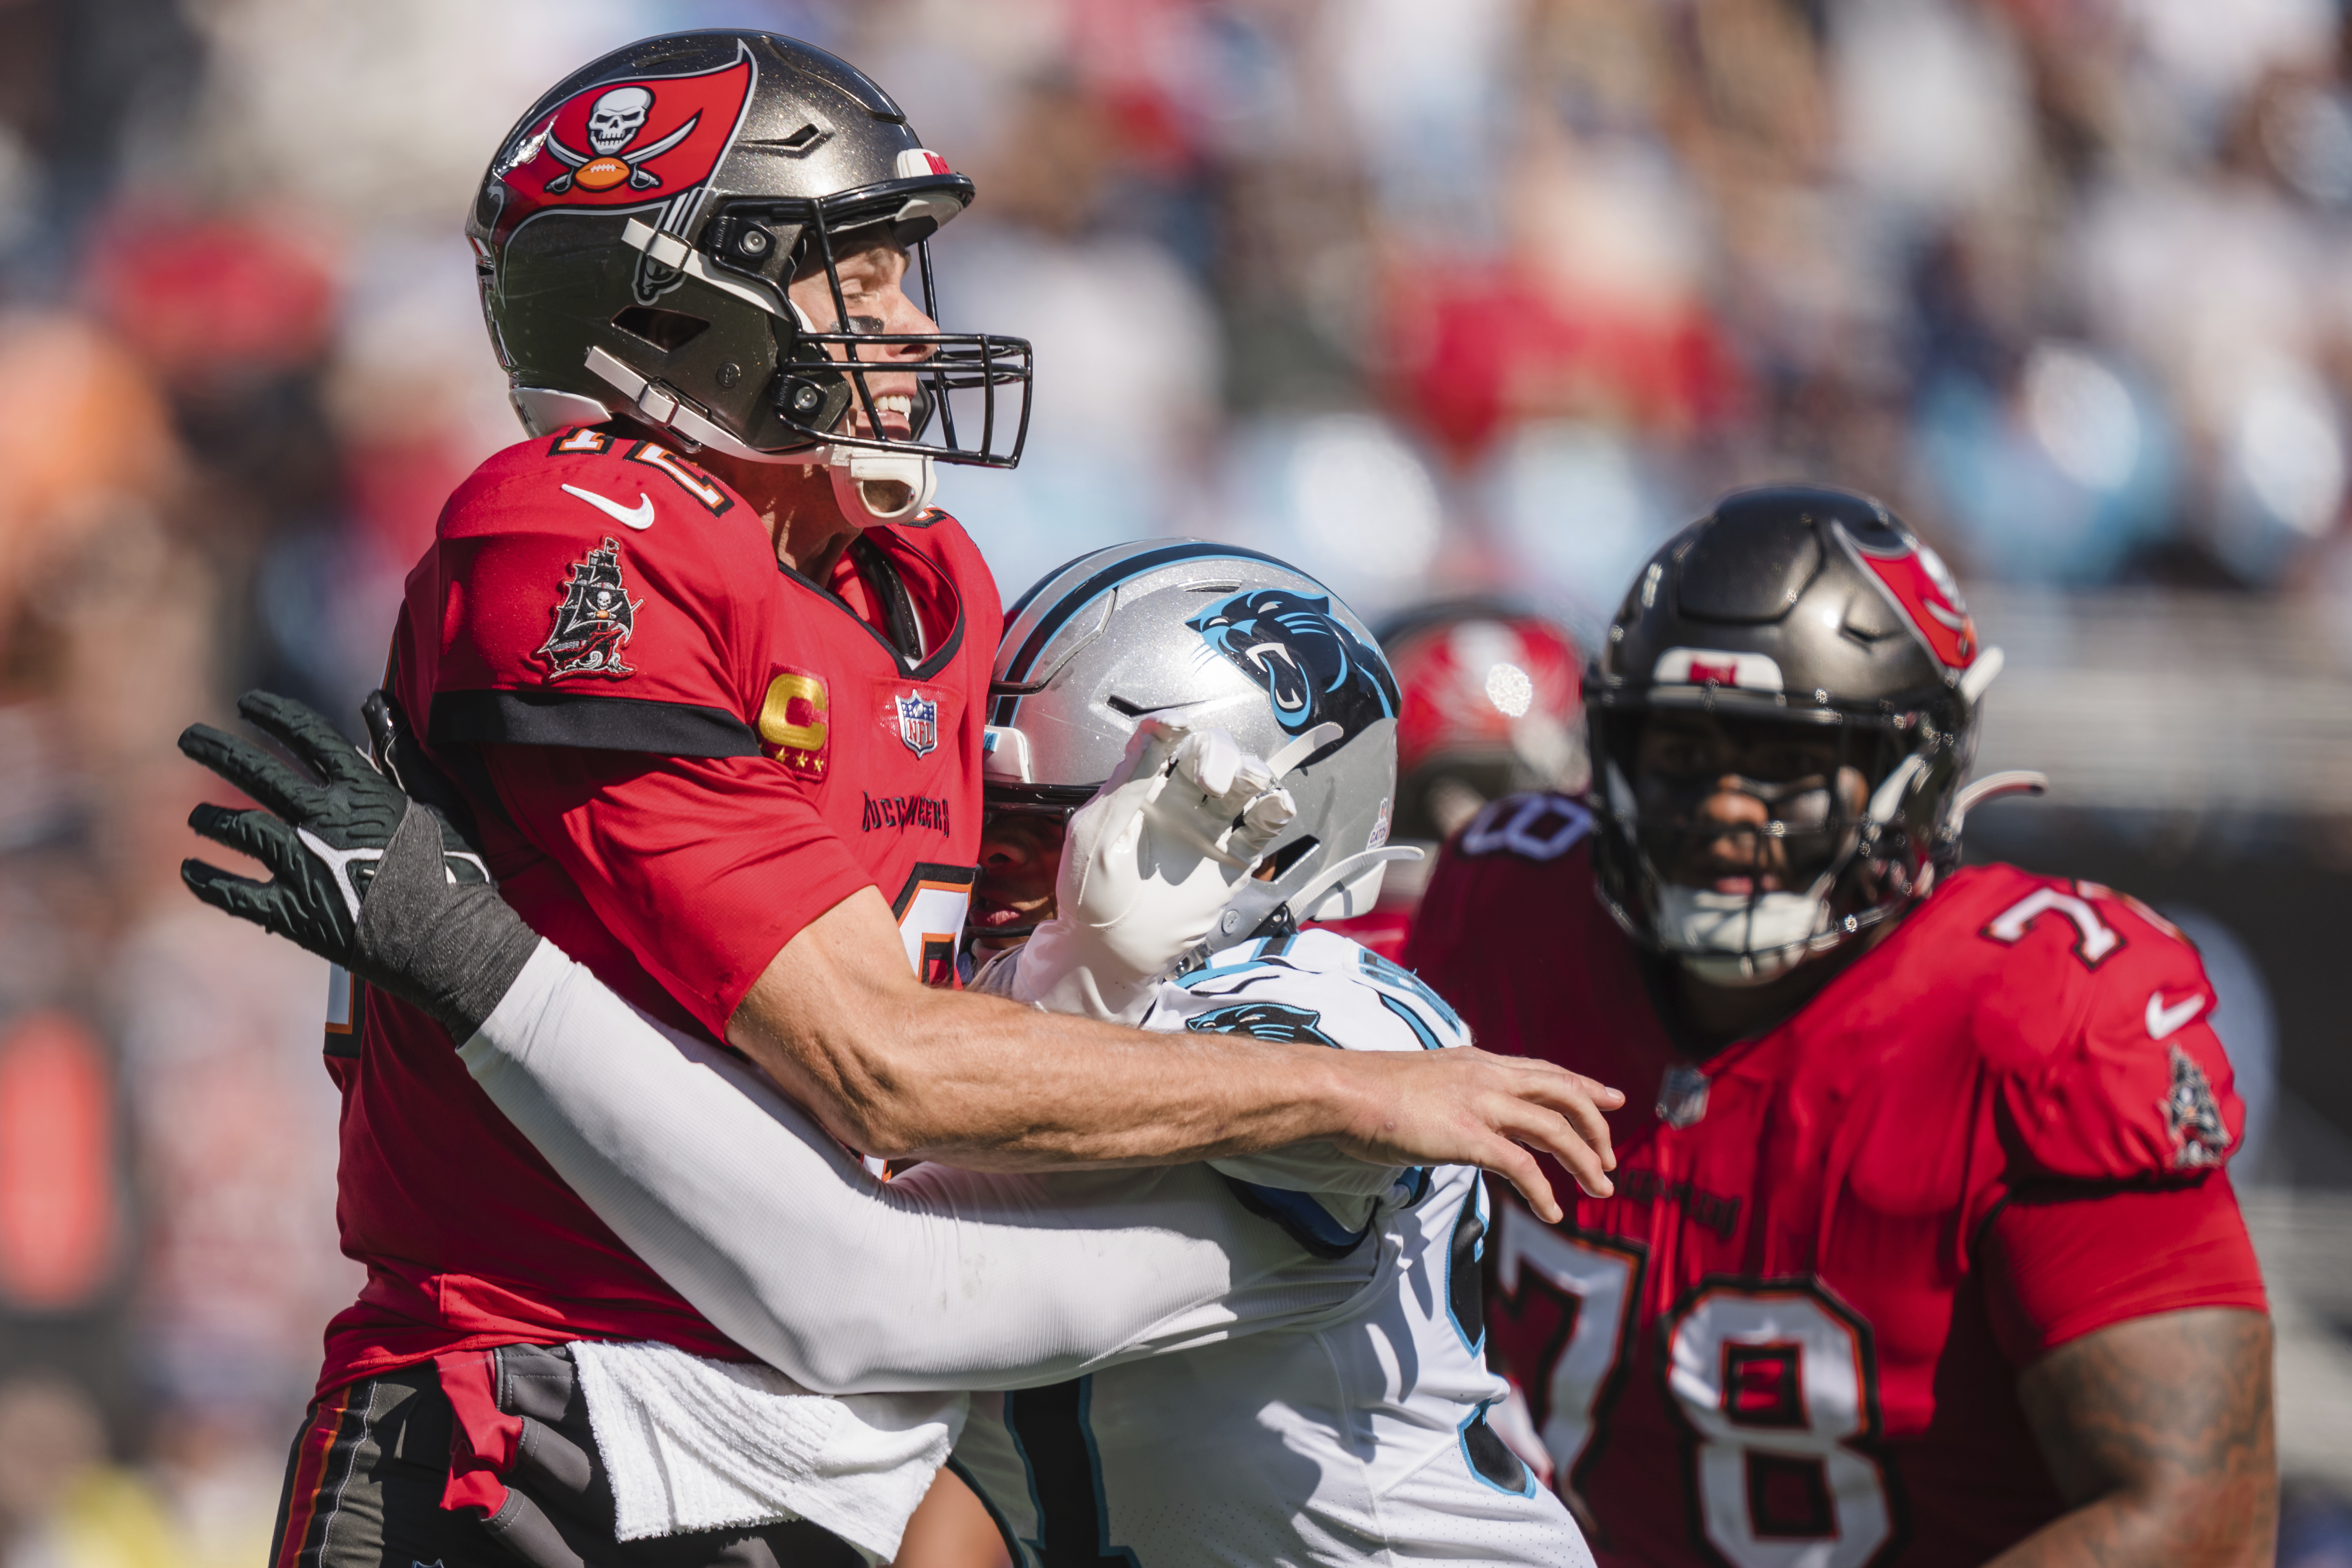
(1532, 826)
(930, 911)
(2095, 938)
(1775, 1382)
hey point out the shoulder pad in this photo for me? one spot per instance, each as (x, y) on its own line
(600, 592)
(1511, 890)
(622, 479)
(2097, 1021)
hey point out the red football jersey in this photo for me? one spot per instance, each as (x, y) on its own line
(679, 753)
(1793, 1334)
(1383, 931)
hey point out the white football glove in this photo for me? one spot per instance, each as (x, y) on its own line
(1146, 865)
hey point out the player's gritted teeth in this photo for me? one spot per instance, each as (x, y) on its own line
(897, 411)
(1733, 849)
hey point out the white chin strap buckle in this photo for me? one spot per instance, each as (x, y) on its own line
(880, 487)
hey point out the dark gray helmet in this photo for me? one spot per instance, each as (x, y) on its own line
(635, 234)
(1205, 634)
(1796, 606)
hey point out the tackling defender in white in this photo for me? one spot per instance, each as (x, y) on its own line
(1343, 1441)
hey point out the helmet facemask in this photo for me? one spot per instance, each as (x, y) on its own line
(820, 400)
(1744, 844)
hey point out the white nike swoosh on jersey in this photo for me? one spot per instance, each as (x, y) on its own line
(2163, 1020)
(639, 517)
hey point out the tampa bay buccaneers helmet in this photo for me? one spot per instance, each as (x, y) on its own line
(1491, 707)
(1809, 614)
(636, 232)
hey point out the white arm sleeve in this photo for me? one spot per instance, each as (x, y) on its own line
(940, 1279)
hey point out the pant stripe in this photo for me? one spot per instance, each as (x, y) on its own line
(332, 1435)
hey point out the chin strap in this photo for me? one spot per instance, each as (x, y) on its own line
(862, 477)
(869, 487)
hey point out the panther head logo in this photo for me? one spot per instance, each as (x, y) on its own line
(1264, 1021)
(1314, 669)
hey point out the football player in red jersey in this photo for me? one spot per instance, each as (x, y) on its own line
(1490, 709)
(705, 676)
(1921, 1251)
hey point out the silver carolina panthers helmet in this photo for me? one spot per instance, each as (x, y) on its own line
(1204, 634)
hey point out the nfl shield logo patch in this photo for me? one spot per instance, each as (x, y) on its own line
(918, 724)
(1682, 1098)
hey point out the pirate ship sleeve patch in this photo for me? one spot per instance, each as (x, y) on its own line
(561, 626)
(595, 619)
(586, 652)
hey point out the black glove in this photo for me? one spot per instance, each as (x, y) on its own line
(364, 875)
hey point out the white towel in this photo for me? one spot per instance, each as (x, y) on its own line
(693, 1444)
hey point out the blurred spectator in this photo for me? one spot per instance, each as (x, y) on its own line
(235, 1119)
(61, 1504)
(1126, 361)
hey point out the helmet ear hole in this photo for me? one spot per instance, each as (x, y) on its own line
(668, 331)
(1284, 859)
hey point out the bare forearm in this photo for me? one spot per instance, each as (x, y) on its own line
(2130, 1533)
(894, 1069)
(2159, 1429)
(989, 1085)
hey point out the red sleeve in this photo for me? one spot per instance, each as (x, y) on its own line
(2057, 1268)
(2124, 1080)
(1499, 883)
(703, 867)
(555, 621)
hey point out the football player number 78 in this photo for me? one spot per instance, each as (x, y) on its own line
(1772, 1381)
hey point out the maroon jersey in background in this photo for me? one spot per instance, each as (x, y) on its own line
(679, 753)
(1794, 1336)
(1383, 931)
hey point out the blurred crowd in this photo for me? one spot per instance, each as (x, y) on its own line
(1502, 290)
(1432, 298)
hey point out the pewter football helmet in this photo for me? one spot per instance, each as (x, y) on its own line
(1811, 611)
(1205, 634)
(636, 232)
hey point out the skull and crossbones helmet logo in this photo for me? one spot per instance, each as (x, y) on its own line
(617, 117)
(615, 121)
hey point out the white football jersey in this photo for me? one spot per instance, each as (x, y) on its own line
(1362, 1439)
